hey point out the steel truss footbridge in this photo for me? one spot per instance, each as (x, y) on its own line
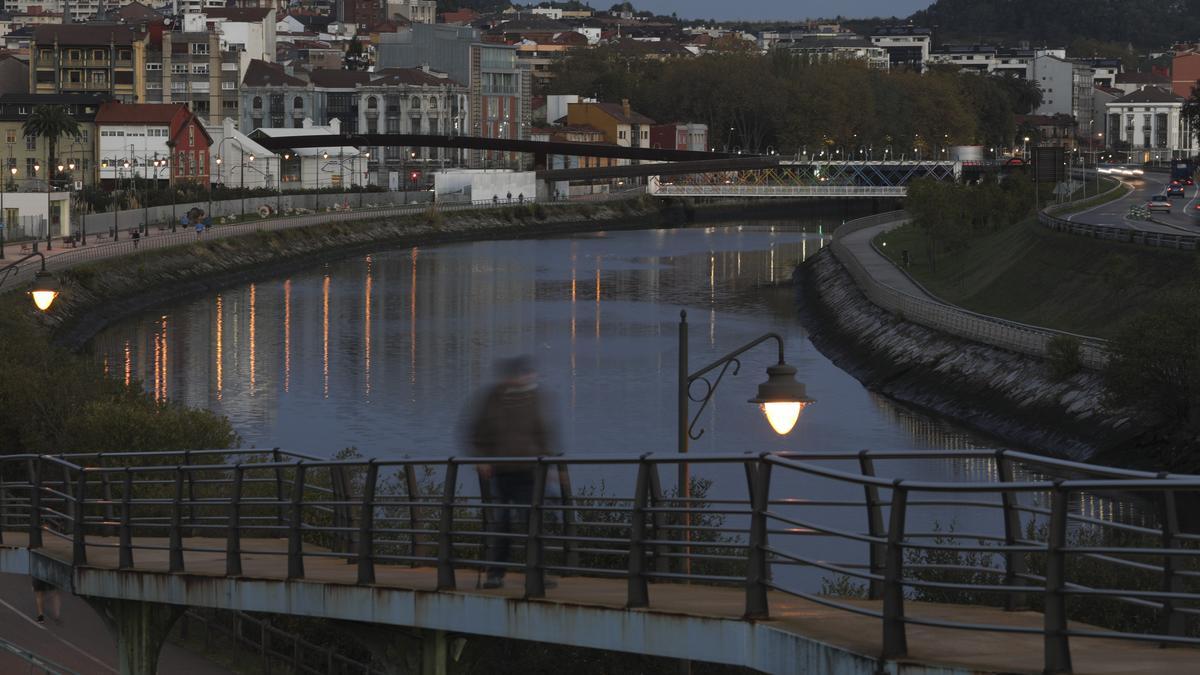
(851, 179)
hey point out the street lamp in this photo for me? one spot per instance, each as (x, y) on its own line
(13, 171)
(781, 399)
(1025, 150)
(45, 287)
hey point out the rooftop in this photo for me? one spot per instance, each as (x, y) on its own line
(137, 113)
(83, 34)
(263, 74)
(412, 76)
(239, 13)
(1150, 95)
(339, 79)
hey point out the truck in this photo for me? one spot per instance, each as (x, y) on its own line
(967, 154)
(1183, 170)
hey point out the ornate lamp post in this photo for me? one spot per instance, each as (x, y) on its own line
(781, 399)
(45, 287)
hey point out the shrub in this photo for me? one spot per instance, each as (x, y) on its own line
(1062, 353)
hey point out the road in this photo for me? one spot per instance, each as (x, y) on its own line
(81, 642)
(1180, 219)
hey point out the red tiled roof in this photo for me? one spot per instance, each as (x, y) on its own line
(137, 113)
(617, 112)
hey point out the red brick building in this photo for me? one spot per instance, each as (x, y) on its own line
(158, 141)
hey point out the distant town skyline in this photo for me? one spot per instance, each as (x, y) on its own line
(775, 10)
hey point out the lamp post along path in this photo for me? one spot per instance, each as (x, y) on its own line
(781, 399)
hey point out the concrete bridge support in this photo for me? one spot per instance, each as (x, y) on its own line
(410, 652)
(141, 628)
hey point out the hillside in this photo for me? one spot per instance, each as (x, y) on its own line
(1151, 24)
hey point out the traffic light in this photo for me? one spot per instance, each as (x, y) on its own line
(414, 177)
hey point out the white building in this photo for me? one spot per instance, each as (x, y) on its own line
(836, 47)
(907, 46)
(416, 11)
(238, 161)
(1151, 122)
(548, 12)
(1066, 87)
(251, 28)
(328, 166)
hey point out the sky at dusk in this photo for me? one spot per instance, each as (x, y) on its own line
(784, 10)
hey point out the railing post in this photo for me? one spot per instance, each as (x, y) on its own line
(35, 503)
(233, 540)
(414, 496)
(570, 530)
(295, 525)
(366, 526)
(341, 517)
(125, 550)
(535, 549)
(280, 491)
(638, 594)
(1057, 644)
(658, 520)
(876, 552)
(175, 537)
(445, 553)
(1171, 621)
(758, 569)
(3, 510)
(191, 481)
(895, 640)
(78, 534)
(1014, 563)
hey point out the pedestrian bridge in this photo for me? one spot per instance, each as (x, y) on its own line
(731, 576)
(791, 179)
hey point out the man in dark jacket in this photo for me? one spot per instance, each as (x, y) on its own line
(510, 421)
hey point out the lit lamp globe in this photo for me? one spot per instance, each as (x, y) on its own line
(782, 398)
(44, 290)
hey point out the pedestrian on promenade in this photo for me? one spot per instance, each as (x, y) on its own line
(40, 590)
(136, 236)
(509, 420)
(197, 217)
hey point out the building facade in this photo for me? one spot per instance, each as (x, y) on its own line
(76, 58)
(499, 89)
(907, 46)
(680, 136)
(162, 142)
(620, 124)
(412, 101)
(27, 154)
(1066, 87)
(1149, 123)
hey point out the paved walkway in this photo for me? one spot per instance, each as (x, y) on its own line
(879, 266)
(80, 641)
(985, 651)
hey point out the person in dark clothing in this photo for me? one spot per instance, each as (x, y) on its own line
(509, 421)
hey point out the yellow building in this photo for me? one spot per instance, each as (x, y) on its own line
(109, 59)
(620, 125)
(27, 154)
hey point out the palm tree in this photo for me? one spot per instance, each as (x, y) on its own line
(51, 122)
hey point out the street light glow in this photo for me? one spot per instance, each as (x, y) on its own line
(782, 415)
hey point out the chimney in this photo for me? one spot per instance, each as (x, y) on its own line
(625, 106)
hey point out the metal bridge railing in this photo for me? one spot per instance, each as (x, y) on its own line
(992, 330)
(423, 512)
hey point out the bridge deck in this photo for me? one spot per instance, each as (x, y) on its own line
(999, 652)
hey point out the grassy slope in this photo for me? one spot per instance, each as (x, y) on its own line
(1028, 274)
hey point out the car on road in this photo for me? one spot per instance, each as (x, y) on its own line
(1159, 203)
(1175, 191)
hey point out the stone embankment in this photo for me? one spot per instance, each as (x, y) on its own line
(1009, 396)
(96, 294)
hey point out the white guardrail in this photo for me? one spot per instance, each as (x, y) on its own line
(661, 189)
(991, 330)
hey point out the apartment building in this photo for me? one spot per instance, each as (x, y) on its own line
(93, 58)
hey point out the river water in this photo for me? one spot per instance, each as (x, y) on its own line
(383, 352)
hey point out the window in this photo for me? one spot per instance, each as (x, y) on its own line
(73, 54)
(10, 136)
(298, 103)
(415, 104)
(98, 54)
(191, 135)
(257, 102)
(124, 54)
(372, 103)
(179, 68)
(200, 48)
(30, 142)
(621, 134)
(199, 68)
(256, 122)
(29, 164)
(228, 85)
(153, 66)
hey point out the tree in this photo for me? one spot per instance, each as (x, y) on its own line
(355, 58)
(1154, 361)
(1191, 110)
(51, 122)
